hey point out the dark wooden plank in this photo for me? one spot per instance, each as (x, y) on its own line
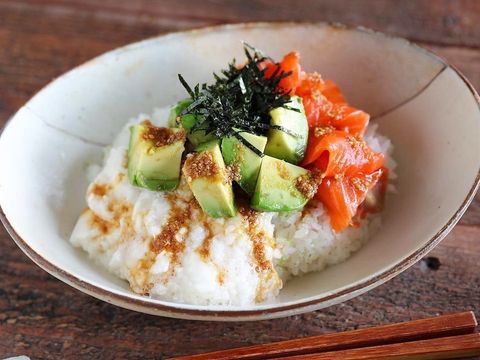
(448, 22)
(44, 318)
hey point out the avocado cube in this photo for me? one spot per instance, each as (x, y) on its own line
(207, 177)
(154, 156)
(244, 160)
(198, 137)
(282, 186)
(174, 118)
(289, 142)
(187, 122)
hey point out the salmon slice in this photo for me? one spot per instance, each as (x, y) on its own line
(325, 105)
(333, 93)
(321, 112)
(336, 152)
(342, 196)
(310, 85)
(289, 64)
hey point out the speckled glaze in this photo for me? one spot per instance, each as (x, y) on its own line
(425, 106)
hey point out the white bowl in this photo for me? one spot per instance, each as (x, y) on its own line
(425, 106)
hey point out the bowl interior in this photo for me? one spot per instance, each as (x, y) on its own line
(49, 142)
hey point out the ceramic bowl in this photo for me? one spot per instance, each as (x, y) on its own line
(425, 106)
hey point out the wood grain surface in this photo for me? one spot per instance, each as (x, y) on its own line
(45, 319)
(453, 326)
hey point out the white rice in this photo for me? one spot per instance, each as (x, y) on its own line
(230, 270)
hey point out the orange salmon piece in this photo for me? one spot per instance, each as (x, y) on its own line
(336, 152)
(343, 195)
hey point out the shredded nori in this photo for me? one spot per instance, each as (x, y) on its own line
(239, 100)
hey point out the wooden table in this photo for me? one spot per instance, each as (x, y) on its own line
(43, 318)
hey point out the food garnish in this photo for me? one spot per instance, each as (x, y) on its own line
(239, 101)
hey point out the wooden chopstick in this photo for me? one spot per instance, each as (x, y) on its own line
(452, 347)
(440, 326)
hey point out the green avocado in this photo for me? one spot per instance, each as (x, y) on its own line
(288, 143)
(187, 122)
(198, 137)
(207, 177)
(246, 162)
(174, 118)
(282, 186)
(154, 156)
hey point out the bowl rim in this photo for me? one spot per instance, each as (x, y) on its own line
(348, 292)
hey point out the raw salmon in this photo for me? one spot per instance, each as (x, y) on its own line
(342, 196)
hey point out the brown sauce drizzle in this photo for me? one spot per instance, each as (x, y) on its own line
(233, 173)
(141, 274)
(263, 267)
(310, 187)
(259, 251)
(200, 165)
(100, 190)
(103, 226)
(122, 220)
(119, 211)
(282, 170)
(178, 217)
(204, 250)
(220, 277)
(120, 177)
(307, 185)
(166, 240)
(256, 237)
(161, 136)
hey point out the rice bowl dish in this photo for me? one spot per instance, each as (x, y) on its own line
(168, 247)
